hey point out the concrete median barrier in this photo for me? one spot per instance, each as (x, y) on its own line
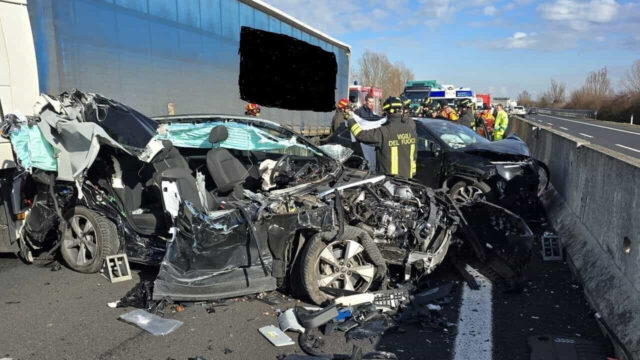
(595, 207)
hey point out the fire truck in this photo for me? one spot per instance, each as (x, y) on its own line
(357, 93)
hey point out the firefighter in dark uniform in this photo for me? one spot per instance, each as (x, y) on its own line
(395, 141)
(466, 113)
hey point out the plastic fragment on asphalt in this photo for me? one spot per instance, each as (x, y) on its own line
(153, 324)
(317, 318)
(113, 304)
(275, 336)
(352, 300)
(288, 321)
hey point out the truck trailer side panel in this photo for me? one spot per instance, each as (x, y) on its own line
(163, 54)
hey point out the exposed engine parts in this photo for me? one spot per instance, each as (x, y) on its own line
(403, 215)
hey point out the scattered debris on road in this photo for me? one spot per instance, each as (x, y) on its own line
(153, 324)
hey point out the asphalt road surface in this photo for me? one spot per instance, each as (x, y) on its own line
(64, 315)
(623, 138)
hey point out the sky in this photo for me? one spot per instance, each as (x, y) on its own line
(496, 46)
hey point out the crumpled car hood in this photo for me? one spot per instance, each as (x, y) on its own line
(512, 145)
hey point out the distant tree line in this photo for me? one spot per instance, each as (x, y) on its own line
(597, 93)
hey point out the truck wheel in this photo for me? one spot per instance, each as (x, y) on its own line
(461, 192)
(340, 263)
(87, 238)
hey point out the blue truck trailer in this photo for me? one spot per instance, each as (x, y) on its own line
(161, 57)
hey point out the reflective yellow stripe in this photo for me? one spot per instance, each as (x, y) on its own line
(394, 160)
(413, 161)
(355, 129)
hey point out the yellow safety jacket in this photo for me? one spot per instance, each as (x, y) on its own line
(502, 121)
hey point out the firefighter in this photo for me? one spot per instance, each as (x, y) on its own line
(501, 124)
(252, 109)
(448, 113)
(394, 141)
(406, 105)
(466, 112)
(486, 118)
(342, 114)
(435, 109)
(424, 110)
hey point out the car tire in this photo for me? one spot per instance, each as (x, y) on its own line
(96, 232)
(324, 248)
(463, 191)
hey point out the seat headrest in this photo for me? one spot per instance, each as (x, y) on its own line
(218, 134)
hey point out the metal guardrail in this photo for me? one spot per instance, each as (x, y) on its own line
(571, 113)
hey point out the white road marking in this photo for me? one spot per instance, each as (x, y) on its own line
(628, 148)
(563, 128)
(585, 135)
(475, 325)
(600, 126)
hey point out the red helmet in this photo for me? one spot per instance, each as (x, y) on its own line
(343, 103)
(252, 109)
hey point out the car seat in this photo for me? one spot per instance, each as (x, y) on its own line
(227, 171)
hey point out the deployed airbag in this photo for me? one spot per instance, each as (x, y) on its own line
(32, 148)
(241, 137)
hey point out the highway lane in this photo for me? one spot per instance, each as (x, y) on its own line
(617, 137)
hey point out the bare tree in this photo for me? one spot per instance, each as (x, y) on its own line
(376, 70)
(555, 94)
(598, 87)
(525, 99)
(631, 80)
(595, 92)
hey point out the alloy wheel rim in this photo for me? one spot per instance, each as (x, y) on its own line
(80, 240)
(341, 265)
(468, 193)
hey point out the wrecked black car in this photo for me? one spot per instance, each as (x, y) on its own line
(229, 205)
(472, 167)
(469, 166)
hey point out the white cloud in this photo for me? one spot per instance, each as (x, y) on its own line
(490, 10)
(580, 15)
(519, 40)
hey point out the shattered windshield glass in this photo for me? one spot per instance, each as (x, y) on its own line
(456, 136)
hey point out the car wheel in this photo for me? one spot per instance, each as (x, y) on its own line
(87, 238)
(462, 192)
(340, 263)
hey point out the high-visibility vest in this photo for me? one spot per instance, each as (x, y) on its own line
(502, 121)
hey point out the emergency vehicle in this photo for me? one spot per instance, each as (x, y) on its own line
(451, 94)
(357, 93)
